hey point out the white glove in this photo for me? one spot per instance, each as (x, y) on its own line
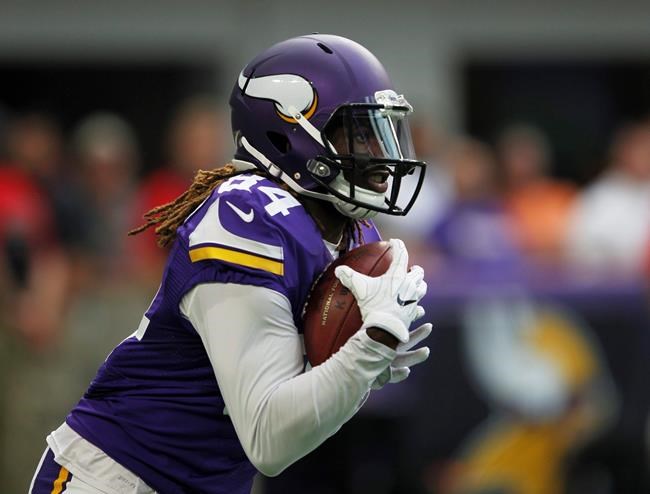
(389, 301)
(400, 367)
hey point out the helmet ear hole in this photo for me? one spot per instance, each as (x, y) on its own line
(279, 141)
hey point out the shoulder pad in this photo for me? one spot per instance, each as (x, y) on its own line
(244, 223)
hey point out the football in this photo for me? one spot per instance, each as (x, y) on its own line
(331, 314)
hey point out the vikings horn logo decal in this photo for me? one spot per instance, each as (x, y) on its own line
(285, 90)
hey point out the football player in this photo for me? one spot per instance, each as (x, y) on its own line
(212, 386)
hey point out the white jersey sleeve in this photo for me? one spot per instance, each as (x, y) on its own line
(280, 413)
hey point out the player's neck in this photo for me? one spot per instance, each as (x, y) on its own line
(331, 223)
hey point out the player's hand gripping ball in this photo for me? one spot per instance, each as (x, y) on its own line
(332, 315)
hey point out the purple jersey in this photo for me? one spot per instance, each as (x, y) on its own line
(155, 405)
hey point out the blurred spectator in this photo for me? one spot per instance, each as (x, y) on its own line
(38, 266)
(537, 205)
(610, 225)
(33, 270)
(107, 160)
(35, 144)
(474, 230)
(195, 141)
(25, 223)
(434, 197)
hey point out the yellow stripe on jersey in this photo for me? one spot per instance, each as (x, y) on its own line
(61, 479)
(235, 257)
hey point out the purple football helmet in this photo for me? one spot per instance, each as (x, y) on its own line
(319, 113)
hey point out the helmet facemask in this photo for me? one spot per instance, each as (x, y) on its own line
(368, 157)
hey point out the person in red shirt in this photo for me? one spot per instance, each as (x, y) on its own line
(33, 270)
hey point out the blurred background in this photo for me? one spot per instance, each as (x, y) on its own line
(533, 224)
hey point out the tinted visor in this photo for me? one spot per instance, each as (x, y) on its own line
(370, 130)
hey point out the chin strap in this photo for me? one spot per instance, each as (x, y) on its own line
(340, 184)
(275, 171)
(306, 125)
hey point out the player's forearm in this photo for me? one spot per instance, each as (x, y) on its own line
(280, 413)
(304, 411)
